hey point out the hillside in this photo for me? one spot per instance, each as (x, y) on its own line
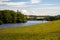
(45, 31)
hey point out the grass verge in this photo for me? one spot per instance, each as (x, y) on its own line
(45, 31)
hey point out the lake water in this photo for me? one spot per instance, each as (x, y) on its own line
(21, 24)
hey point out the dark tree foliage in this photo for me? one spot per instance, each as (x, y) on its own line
(52, 18)
(49, 18)
(57, 17)
(21, 18)
(9, 16)
(1, 22)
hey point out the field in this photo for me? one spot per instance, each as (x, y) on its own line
(45, 31)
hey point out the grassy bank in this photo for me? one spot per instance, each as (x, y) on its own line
(45, 31)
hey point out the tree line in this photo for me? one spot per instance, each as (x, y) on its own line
(52, 18)
(10, 16)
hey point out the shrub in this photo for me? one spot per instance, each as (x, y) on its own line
(1, 22)
(50, 18)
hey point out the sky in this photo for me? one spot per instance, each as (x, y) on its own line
(32, 7)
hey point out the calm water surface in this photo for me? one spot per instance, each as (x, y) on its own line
(21, 24)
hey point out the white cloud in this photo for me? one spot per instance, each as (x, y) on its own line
(47, 4)
(4, 0)
(42, 11)
(25, 12)
(35, 11)
(35, 1)
(13, 3)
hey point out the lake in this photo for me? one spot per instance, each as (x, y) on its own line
(30, 22)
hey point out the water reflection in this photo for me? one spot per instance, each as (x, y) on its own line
(21, 24)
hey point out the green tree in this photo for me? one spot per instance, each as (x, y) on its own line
(21, 18)
(10, 16)
(13, 16)
(57, 17)
(50, 18)
(1, 22)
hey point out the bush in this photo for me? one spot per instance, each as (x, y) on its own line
(50, 18)
(57, 17)
(1, 22)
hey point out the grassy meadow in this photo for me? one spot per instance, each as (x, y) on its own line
(44, 31)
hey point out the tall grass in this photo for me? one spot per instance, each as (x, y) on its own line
(45, 31)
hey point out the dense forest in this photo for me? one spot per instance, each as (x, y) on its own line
(10, 16)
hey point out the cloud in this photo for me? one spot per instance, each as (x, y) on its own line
(4, 0)
(42, 11)
(36, 10)
(13, 3)
(25, 12)
(47, 4)
(8, 3)
(35, 1)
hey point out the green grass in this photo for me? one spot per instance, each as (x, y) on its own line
(45, 31)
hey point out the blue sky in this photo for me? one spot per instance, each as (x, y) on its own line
(43, 1)
(51, 1)
(33, 2)
(19, 0)
(32, 7)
